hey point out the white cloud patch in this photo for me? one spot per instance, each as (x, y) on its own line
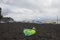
(21, 10)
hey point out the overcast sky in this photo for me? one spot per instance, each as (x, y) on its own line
(30, 9)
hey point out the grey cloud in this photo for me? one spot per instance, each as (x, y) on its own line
(23, 3)
(48, 8)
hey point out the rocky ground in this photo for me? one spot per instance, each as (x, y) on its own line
(13, 31)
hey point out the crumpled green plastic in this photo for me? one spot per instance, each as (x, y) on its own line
(29, 32)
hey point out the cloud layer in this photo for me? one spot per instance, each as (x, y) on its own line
(31, 9)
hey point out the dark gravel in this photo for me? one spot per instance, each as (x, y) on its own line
(13, 31)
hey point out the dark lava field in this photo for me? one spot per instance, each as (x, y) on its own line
(14, 31)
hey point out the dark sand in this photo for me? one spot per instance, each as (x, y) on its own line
(13, 31)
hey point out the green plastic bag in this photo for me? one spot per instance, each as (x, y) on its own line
(29, 32)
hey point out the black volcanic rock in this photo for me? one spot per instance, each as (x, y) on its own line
(13, 31)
